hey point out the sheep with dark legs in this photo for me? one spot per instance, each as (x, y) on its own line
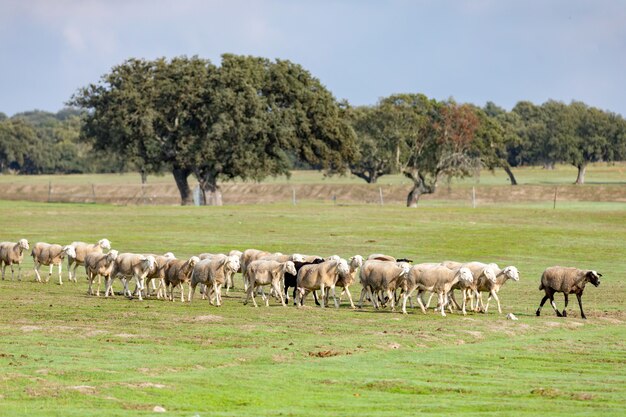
(568, 281)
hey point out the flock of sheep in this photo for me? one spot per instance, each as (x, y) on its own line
(381, 276)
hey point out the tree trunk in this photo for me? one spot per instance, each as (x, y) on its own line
(549, 165)
(144, 176)
(419, 187)
(580, 179)
(507, 169)
(180, 176)
(211, 192)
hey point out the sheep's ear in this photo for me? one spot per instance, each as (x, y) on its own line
(599, 274)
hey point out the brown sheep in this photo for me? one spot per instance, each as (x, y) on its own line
(568, 281)
(13, 253)
(100, 265)
(178, 272)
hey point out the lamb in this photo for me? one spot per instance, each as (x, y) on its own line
(13, 253)
(178, 272)
(378, 275)
(82, 249)
(567, 280)
(47, 254)
(263, 272)
(290, 280)
(130, 265)
(493, 287)
(437, 279)
(100, 265)
(213, 272)
(319, 277)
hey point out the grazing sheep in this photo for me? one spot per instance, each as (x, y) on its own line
(47, 254)
(100, 265)
(127, 266)
(13, 253)
(437, 279)
(213, 273)
(485, 284)
(568, 281)
(178, 272)
(263, 272)
(82, 249)
(290, 280)
(381, 275)
(319, 277)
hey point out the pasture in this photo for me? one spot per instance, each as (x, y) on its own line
(65, 353)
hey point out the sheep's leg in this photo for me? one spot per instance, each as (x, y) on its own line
(4, 266)
(90, 279)
(579, 296)
(349, 297)
(98, 291)
(553, 304)
(407, 296)
(335, 297)
(216, 290)
(321, 297)
(420, 302)
(565, 295)
(37, 266)
(12, 273)
(280, 293)
(493, 294)
(453, 299)
(192, 290)
(441, 303)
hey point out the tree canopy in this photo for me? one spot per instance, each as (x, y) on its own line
(239, 120)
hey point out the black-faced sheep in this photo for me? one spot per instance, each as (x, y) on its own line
(568, 281)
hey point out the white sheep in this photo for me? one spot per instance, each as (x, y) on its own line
(50, 254)
(99, 265)
(493, 287)
(213, 273)
(82, 249)
(270, 272)
(320, 277)
(381, 276)
(127, 266)
(567, 280)
(13, 253)
(437, 279)
(482, 274)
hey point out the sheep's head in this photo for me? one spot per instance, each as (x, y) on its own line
(343, 267)
(356, 262)
(593, 277)
(465, 275)
(169, 255)
(232, 263)
(296, 257)
(104, 244)
(193, 261)
(490, 274)
(23, 243)
(405, 268)
(290, 268)
(511, 272)
(112, 255)
(236, 252)
(150, 262)
(69, 251)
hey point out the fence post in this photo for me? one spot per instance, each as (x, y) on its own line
(293, 196)
(49, 190)
(555, 192)
(473, 197)
(380, 192)
(93, 192)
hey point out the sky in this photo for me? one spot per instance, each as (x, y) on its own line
(477, 51)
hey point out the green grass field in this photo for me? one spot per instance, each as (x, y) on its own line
(65, 353)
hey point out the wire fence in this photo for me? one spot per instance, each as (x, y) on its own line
(259, 193)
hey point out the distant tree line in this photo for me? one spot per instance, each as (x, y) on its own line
(251, 117)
